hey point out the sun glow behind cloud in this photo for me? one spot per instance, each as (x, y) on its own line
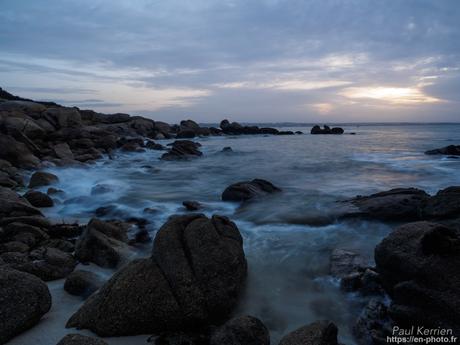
(392, 95)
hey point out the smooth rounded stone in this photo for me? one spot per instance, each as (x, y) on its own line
(17, 153)
(55, 191)
(102, 188)
(318, 333)
(243, 330)
(24, 299)
(400, 204)
(419, 267)
(63, 151)
(38, 199)
(151, 145)
(186, 134)
(246, 190)
(194, 278)
(182, 149)
(227, 149)
(344, 262)
(113, 229)
(95, 246)
(445, 204)
(191, 205)
(83, 283)
(48, 264)
(78, 339)
(451, 150)
(132, 147)
(42, 178)
(13, 205)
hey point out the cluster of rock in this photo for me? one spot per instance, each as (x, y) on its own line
(408, 204)
(451, 150)
(234, 128)
(326, 130)
(416, 265)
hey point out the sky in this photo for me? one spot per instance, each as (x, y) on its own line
(246, 60)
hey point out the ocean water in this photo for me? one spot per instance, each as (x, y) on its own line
(286, 241)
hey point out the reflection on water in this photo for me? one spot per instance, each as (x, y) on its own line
(287, 248)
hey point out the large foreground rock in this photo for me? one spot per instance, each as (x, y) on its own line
(445, 204)
(317, 333)
(246, 190)
(419, 266)
(13, 205)
(243, 330)
(24, 299)
(400, 204)
(194, 277)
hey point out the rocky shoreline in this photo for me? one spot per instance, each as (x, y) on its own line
(186, 292)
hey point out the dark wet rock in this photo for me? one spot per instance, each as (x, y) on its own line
(24, 299)
(373, 325)
(151, 145)
(326, 130)
(63, 117)
(83, 283)
(451, 150)
(234, 128)
(195, 275)
(227, 149)
(39, 199)
(365, 282)
(344, 262)
(113, 229)
(400, 204)
(191, 205)
(48, 264)
(13, 205)
(267, 130)
(298, 132)
(418, 263)
(25, 233)
(78, 339)
(243, 330)
(317, 333)
(35, 220)
(63, 245)
(42, 178)
(17, 153)
(186, 134)
(243, 191)
(55, 191)
(141, 236)
(14, 246)
(445, 204)
(132, 146)
(102, 188)
(63, 151)
(183, 149)
(66, 231)
(183, 338)
(99, 248)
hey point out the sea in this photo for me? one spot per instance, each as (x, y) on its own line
(288, 237)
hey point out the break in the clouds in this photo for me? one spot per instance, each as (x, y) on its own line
(258, 60)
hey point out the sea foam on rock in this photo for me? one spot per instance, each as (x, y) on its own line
(194, 277)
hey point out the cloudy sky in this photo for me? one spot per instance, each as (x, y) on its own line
(249, 60)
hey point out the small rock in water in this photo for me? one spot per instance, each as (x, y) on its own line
(39, 199)
(243, 330)
(102, 189)
(246, 190)
(227, 149)
(191, 205)
(41, 178)
(82, 283)
(317, 333)
(344, 262)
